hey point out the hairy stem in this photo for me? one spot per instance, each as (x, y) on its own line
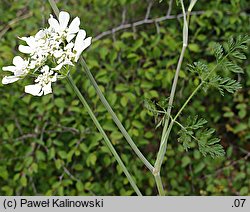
(106, 139)
(106, 104)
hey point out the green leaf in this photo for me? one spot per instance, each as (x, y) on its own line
(51, 153)
(199, 68)
(23, 181)
(150, 106)
(124, 101)
(198, 168)
(58, 163)
(218, 51)
(59, 102)
(240, 127)
(185, 139)
(229, 85)
(91, 159)
(4, 173)
(197, 123)
(121, 87)
(185, 161)
(223, 84)
(62, 154)
(79, 186)
(236, 45)
(207, 145)
(40, 155)
(239, 55)
(230, 66)
(109, 126)
(194, 47)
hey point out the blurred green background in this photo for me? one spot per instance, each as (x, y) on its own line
(49, 145)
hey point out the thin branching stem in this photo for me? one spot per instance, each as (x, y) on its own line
(168, 126)
(105, 137)
(114, 116)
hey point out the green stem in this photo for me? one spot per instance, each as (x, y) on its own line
(54, 7)
(162, 150)
(159, 184)
(172, 94)
(177, 72)
(106, 104)
(114, 117)
(106, 139)
(188, 100)
(167, 127)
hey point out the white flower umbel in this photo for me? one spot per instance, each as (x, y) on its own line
(20, 69)
(43, 81)
(49, 52)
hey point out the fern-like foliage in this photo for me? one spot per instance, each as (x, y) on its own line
(199, 68)
(224, 84)
(194, 131)
(227, 56)
(157, 109)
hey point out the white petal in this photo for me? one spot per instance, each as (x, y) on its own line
(45, 69)
(32, 64)
(86, 43)
(47, 89)
(57, 54)
(21, 72)
(25, 49)
(23, 38)
(70, 37)
(58, 67)
(74, 26)
(9, 79)
(69, 46)
(34, 90)
(54, 78)
(29, 40)
(18, 61)
(40, 34)
(63, 20)
(54, 23)
(79, 39)
(9, 68)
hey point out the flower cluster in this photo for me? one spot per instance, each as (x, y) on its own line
(49, 52)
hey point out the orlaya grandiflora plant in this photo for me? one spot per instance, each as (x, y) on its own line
(59, 45)
(52, 50)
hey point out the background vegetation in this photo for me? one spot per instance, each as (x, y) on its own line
(49, 145)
